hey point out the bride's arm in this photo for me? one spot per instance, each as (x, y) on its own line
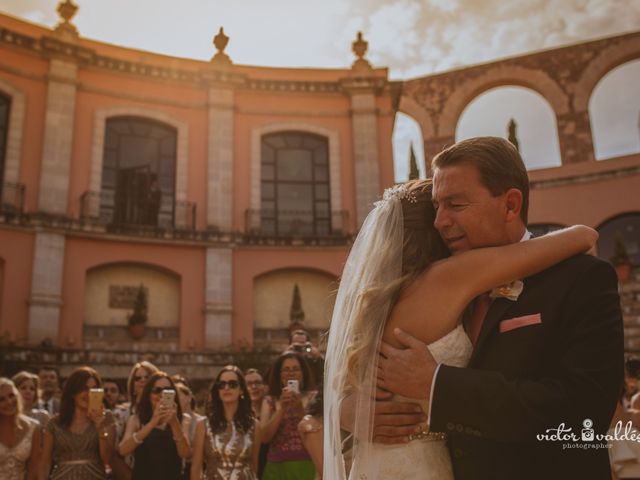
(477, 271)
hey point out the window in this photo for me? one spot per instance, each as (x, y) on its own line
(138, 172)
(295, 194)
(625, 228)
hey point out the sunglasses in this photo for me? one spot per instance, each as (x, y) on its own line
(141, 377)
(232, 384)
(158, 390)
(255, 383)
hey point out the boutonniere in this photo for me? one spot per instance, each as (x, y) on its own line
(510, 291)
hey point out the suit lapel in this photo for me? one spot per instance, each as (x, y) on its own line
(495, 313)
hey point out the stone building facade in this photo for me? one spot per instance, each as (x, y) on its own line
(215, 188)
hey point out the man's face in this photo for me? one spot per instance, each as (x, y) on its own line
(299, 338)
(111, 393)
(468, 215)
(48, 380)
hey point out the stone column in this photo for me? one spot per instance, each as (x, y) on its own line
(574, 135)
(433, 146)
(218, 311)
(220, 159)
(58, 136)
(46, 287)
(364, 123)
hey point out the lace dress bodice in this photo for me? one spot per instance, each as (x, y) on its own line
(425, 458)
(13, 461)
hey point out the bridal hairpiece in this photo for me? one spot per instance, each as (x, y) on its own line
(400, 192)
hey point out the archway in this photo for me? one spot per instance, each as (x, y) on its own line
(489, 114)
(406, 135)
(614, 113)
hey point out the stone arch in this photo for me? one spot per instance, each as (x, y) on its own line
(613, 118)
(404, 136)
(182, 148)
(106, 297)
(501, 75)
(334, 158)
(537, 132)
(412, 108)
(608, 59)
(272, 295)
(626, 224)
(15, 133)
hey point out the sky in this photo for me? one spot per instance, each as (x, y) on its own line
(411, 37)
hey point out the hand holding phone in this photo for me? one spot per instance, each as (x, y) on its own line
(293, 386)
(96, 405)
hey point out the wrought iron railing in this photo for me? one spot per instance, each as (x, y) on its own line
(91, 210)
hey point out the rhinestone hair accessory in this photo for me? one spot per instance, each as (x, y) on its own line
(400, 192)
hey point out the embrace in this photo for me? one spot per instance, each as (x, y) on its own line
(457, 339)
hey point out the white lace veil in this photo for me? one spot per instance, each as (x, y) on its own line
(375, 260)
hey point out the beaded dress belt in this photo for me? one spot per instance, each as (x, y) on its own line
(428, 436)
(77, 462)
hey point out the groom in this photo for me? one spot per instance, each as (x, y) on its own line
(552, 357)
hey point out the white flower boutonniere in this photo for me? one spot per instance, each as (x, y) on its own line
(510, 291)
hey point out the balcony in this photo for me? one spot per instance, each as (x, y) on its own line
(134, 219)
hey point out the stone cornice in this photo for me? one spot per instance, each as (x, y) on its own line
(585, 178)
(208, 75)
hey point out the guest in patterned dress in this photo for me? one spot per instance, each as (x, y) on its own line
(257, 391)
(287, 458)
(28, 385)
(228, 442)
(154, 434)
(77, 441)
(19, 436)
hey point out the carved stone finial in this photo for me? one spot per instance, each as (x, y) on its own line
(65, 29)
(220, 41)
(359, 48)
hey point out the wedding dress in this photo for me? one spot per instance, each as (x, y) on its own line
(375, 261)
(426, 458)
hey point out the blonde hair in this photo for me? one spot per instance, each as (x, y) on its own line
(21, 377)
(5, 382)
(421, 246)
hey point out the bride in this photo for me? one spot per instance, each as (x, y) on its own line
(399, 262)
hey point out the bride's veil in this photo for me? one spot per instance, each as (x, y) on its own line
(375, 261)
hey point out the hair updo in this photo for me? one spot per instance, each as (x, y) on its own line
(422, 244)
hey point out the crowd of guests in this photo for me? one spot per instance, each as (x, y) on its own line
(255, 424)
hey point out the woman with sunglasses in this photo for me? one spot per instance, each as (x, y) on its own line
(290, 386)
(78, 441)
(19, 436)
(229, 443)
(154, 434)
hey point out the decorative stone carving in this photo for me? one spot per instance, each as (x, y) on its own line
(66, 30)
(220, 41)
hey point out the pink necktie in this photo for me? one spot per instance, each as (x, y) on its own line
(480, 309)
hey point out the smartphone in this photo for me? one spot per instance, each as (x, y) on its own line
(96, 396)
(293, 385)
(168, 397)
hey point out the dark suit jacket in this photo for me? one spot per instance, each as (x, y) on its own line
(522, 382)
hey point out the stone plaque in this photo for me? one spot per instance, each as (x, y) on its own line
(124, 296)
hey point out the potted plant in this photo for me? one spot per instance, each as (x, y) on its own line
(620, 259)
(138, 318)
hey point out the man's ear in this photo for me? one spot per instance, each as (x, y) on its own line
(513, 203)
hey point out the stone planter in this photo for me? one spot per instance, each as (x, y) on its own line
(136, 331)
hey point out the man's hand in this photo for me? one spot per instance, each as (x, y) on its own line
(408, 371)
(395, 421)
